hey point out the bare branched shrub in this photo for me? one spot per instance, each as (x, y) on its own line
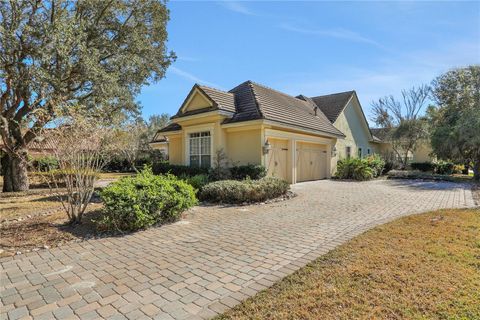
(82, 147)
(402, 121)
(128, 141)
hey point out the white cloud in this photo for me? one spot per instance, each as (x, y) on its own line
(187, 58)
(191, 77)
(333, 33)
(237, 7)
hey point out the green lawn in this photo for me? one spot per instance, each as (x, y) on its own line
(419, 267)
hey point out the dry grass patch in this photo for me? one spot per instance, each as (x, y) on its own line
(419, 267)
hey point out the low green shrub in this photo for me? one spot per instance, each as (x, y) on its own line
(354, 168)
(376, 163)
(408, 174)
(251, 171)
(163, 167)
(245, 191)
(57, 177)
(45, 163)
(197, 181)
(444, 167)
(423, 166)
(133, 203)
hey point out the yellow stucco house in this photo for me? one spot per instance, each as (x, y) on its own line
(296, 138)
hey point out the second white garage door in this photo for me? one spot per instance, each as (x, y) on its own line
(311, 161)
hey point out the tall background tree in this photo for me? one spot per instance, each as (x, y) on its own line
(455, 122)
(403, 122)
(56, 54)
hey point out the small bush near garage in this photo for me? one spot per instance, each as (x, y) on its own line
(251, 171)
(138, 202)
(376, 163)
(423, 166)
(360, 168)
(245, 191)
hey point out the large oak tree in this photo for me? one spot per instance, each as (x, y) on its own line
(58, 54)
(455, 122)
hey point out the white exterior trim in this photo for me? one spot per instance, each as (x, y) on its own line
(198, 128)
(202, 115)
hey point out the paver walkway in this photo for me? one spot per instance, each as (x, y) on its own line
(211, 260)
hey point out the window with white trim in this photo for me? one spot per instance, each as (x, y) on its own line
(348, 152)
(359, 152)
(200, 146)
(368, 151)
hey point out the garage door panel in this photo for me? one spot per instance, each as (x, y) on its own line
(311, 161)
(277, 159)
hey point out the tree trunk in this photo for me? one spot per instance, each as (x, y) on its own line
(476, 170)
(14, 168)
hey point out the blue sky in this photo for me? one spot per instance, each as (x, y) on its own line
(314, 48)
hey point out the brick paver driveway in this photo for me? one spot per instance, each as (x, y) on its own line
(211, 260)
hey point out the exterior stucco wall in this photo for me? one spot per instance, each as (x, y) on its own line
(421, 153)
(244, 147)
(351, 123)
(175, 150)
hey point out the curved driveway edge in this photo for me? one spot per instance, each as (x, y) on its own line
(213, 259)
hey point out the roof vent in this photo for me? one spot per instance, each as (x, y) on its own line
(315, 109)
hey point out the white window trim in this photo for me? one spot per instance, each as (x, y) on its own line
(200, 150)
(194, 129)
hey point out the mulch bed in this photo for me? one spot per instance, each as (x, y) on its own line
(45, 231)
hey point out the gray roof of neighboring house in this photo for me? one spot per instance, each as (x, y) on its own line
(333, 104)
(250, 101)
(380, 133)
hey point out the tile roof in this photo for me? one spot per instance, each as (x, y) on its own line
(332, 104)
(224, 100)
(380, 133)
(250, 101)
(171, 127)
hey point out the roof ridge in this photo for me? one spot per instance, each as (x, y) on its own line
(215, 89)
(255, 97)
(270, 88)
(333, 94)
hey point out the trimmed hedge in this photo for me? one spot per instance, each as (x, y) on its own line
(245, 191)
(440, 167)
(138, 202)
(177, 170)
(242, 172)
(251, 171)
(44, 164)
(423, 166)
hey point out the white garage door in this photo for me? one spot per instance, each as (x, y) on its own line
(277, 158)
(311, 161)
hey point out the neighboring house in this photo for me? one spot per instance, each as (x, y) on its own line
(422, 153)
(40, 146)
(295, 138)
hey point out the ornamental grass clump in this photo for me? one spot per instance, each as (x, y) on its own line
(138, 202)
